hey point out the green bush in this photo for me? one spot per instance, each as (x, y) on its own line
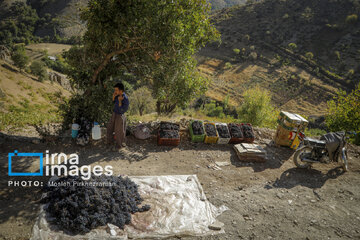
(212, 110)
(309, 55)
(228, 65)
(314, 132)
(38, 69)
(344, 111)
(257, 109)
(19, 57)
(292, 46)
(350, 19)
(236, 50)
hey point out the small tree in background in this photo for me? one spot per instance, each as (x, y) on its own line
(38, 69)
(257, 109)
(141, 101)
(351, 19)
(344, 111)
(292, 46)
(212, 110)
(19, 57)
(309, 55)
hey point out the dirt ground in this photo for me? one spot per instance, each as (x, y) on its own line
(272, 200)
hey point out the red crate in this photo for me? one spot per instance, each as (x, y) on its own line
(248, 140)
(168, 141)
(235, 140)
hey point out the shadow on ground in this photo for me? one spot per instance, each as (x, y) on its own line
(310, 178)
(276, 157)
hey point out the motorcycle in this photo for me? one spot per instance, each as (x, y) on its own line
(330, 148)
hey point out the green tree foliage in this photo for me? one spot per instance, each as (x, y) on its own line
(344, 111)
(351, 19)
(212, 110)
(292, 46)
(236, 51)
(256, 108)
(154, 40)
(38, 68)
(309, 55)
(19, 57)
(142, 101)
(18, 25)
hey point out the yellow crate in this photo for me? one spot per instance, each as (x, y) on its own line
(211, 139)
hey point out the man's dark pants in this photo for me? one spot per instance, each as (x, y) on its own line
(116, 124)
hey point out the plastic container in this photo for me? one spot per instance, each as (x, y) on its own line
(248, 139)
(210, 139)
(236, 140)
(196, 138)
(222, 140)
(75, 130)
(168, 141)
(96, 131)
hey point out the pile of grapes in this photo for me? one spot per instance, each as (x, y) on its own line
(248, 132)
(169, 134)
(197, 127)
(79, 209)
(169, 126)
(223, 131)
(235, 130)
(210, 130)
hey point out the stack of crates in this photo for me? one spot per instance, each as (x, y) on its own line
(288, 131)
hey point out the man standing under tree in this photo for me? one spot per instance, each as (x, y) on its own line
(117, 121)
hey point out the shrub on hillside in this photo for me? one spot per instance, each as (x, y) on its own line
(309, 55)
(257, 109)
(38, 69)
(212, 110)
(19, 57)
(350, 19)
(344, 111)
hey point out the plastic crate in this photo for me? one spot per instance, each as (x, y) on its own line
(196, 138)
(248, 140)
(168, 141)
(210, 139)
(236, 140)
(223, 140)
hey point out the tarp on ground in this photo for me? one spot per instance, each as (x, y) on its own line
(178, 208)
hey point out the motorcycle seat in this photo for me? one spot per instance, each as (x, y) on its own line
(314, 142)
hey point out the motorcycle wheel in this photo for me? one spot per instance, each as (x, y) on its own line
(297, 157)
(344, 158)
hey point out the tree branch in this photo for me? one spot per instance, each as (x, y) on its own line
(107, 60)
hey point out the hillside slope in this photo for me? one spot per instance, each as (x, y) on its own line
(25, 101)
(301, 51)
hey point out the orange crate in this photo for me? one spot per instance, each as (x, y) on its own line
(235, 140)
(168, 141)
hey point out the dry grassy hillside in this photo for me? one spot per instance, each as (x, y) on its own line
(303, 52)
(25, 101)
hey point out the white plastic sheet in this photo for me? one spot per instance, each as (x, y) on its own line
(178, 208)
